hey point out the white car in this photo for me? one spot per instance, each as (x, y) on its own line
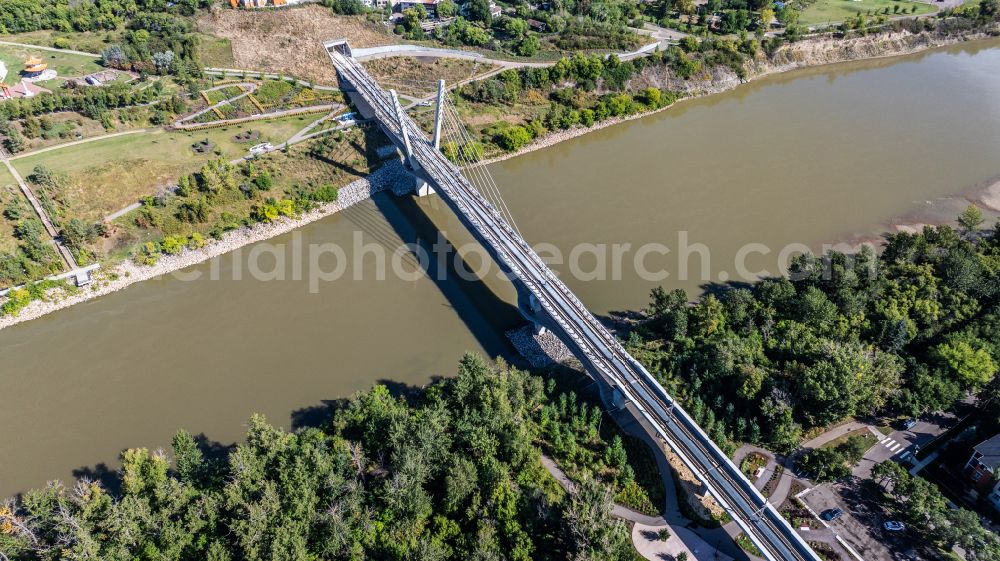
(262, 148)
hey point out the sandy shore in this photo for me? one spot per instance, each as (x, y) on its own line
(127, 273)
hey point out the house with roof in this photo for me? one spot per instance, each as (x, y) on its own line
(536, 25)
(23, 89)
(429, 5)
(981, 470)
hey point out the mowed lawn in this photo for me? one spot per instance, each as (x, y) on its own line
(65, 64)
(107, 175)
(835, 11)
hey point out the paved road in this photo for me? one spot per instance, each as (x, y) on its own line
(901, 444)
(53, 49)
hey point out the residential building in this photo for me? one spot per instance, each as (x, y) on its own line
(982, 465)
(536, 25)
(429, 5)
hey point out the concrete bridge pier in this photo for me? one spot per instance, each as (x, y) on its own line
(532, 311)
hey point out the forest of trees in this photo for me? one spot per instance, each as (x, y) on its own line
(452, 472)
(146, 35)
(902, 333)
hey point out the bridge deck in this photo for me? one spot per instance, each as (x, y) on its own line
(583, 333)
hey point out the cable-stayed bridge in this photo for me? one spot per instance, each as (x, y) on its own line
(546, 301)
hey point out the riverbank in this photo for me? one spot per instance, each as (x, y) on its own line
(797, 56)
(128, 272)
(810, 53)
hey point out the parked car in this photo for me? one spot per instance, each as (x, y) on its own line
(908, 424)
(893, 526)
(831, 514)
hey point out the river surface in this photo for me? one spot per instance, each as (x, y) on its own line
(837, 153)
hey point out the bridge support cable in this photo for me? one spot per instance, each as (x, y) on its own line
(477, 173)
(488, 180)
(474, 173)
(467, 163)
(485, 183)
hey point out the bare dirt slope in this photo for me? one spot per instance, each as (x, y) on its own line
(418, 76)
(290, 40)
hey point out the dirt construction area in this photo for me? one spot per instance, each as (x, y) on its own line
(290, 41)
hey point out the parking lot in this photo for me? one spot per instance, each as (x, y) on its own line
(860, 525)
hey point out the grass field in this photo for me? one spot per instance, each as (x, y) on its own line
(862, 432)
(835, 11)
(86, 41)
(65, 64)
(106, 175)
(215, 52)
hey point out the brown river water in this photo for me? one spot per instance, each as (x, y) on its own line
(836, 153)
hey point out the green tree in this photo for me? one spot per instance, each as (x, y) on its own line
(971, 219)
(972, 366)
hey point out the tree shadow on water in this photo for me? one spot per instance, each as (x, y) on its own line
(322, 414)
(109, 478)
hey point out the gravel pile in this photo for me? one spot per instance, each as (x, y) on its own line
(124, 274)
(539, 350)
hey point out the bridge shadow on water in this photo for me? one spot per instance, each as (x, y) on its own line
(403, 220)
(483, 311)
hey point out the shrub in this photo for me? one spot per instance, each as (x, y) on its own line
(172, 245)
(61, 43)
(148, 254)
(16, 301)
(513, 138)
(325, 193)
(196, 241)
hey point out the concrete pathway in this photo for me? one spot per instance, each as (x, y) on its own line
(646, 528)
(237, 72)
(258, 117)
(833, 434)
(646, 539)
(53, 49)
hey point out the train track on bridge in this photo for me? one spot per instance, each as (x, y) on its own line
(592, 342)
